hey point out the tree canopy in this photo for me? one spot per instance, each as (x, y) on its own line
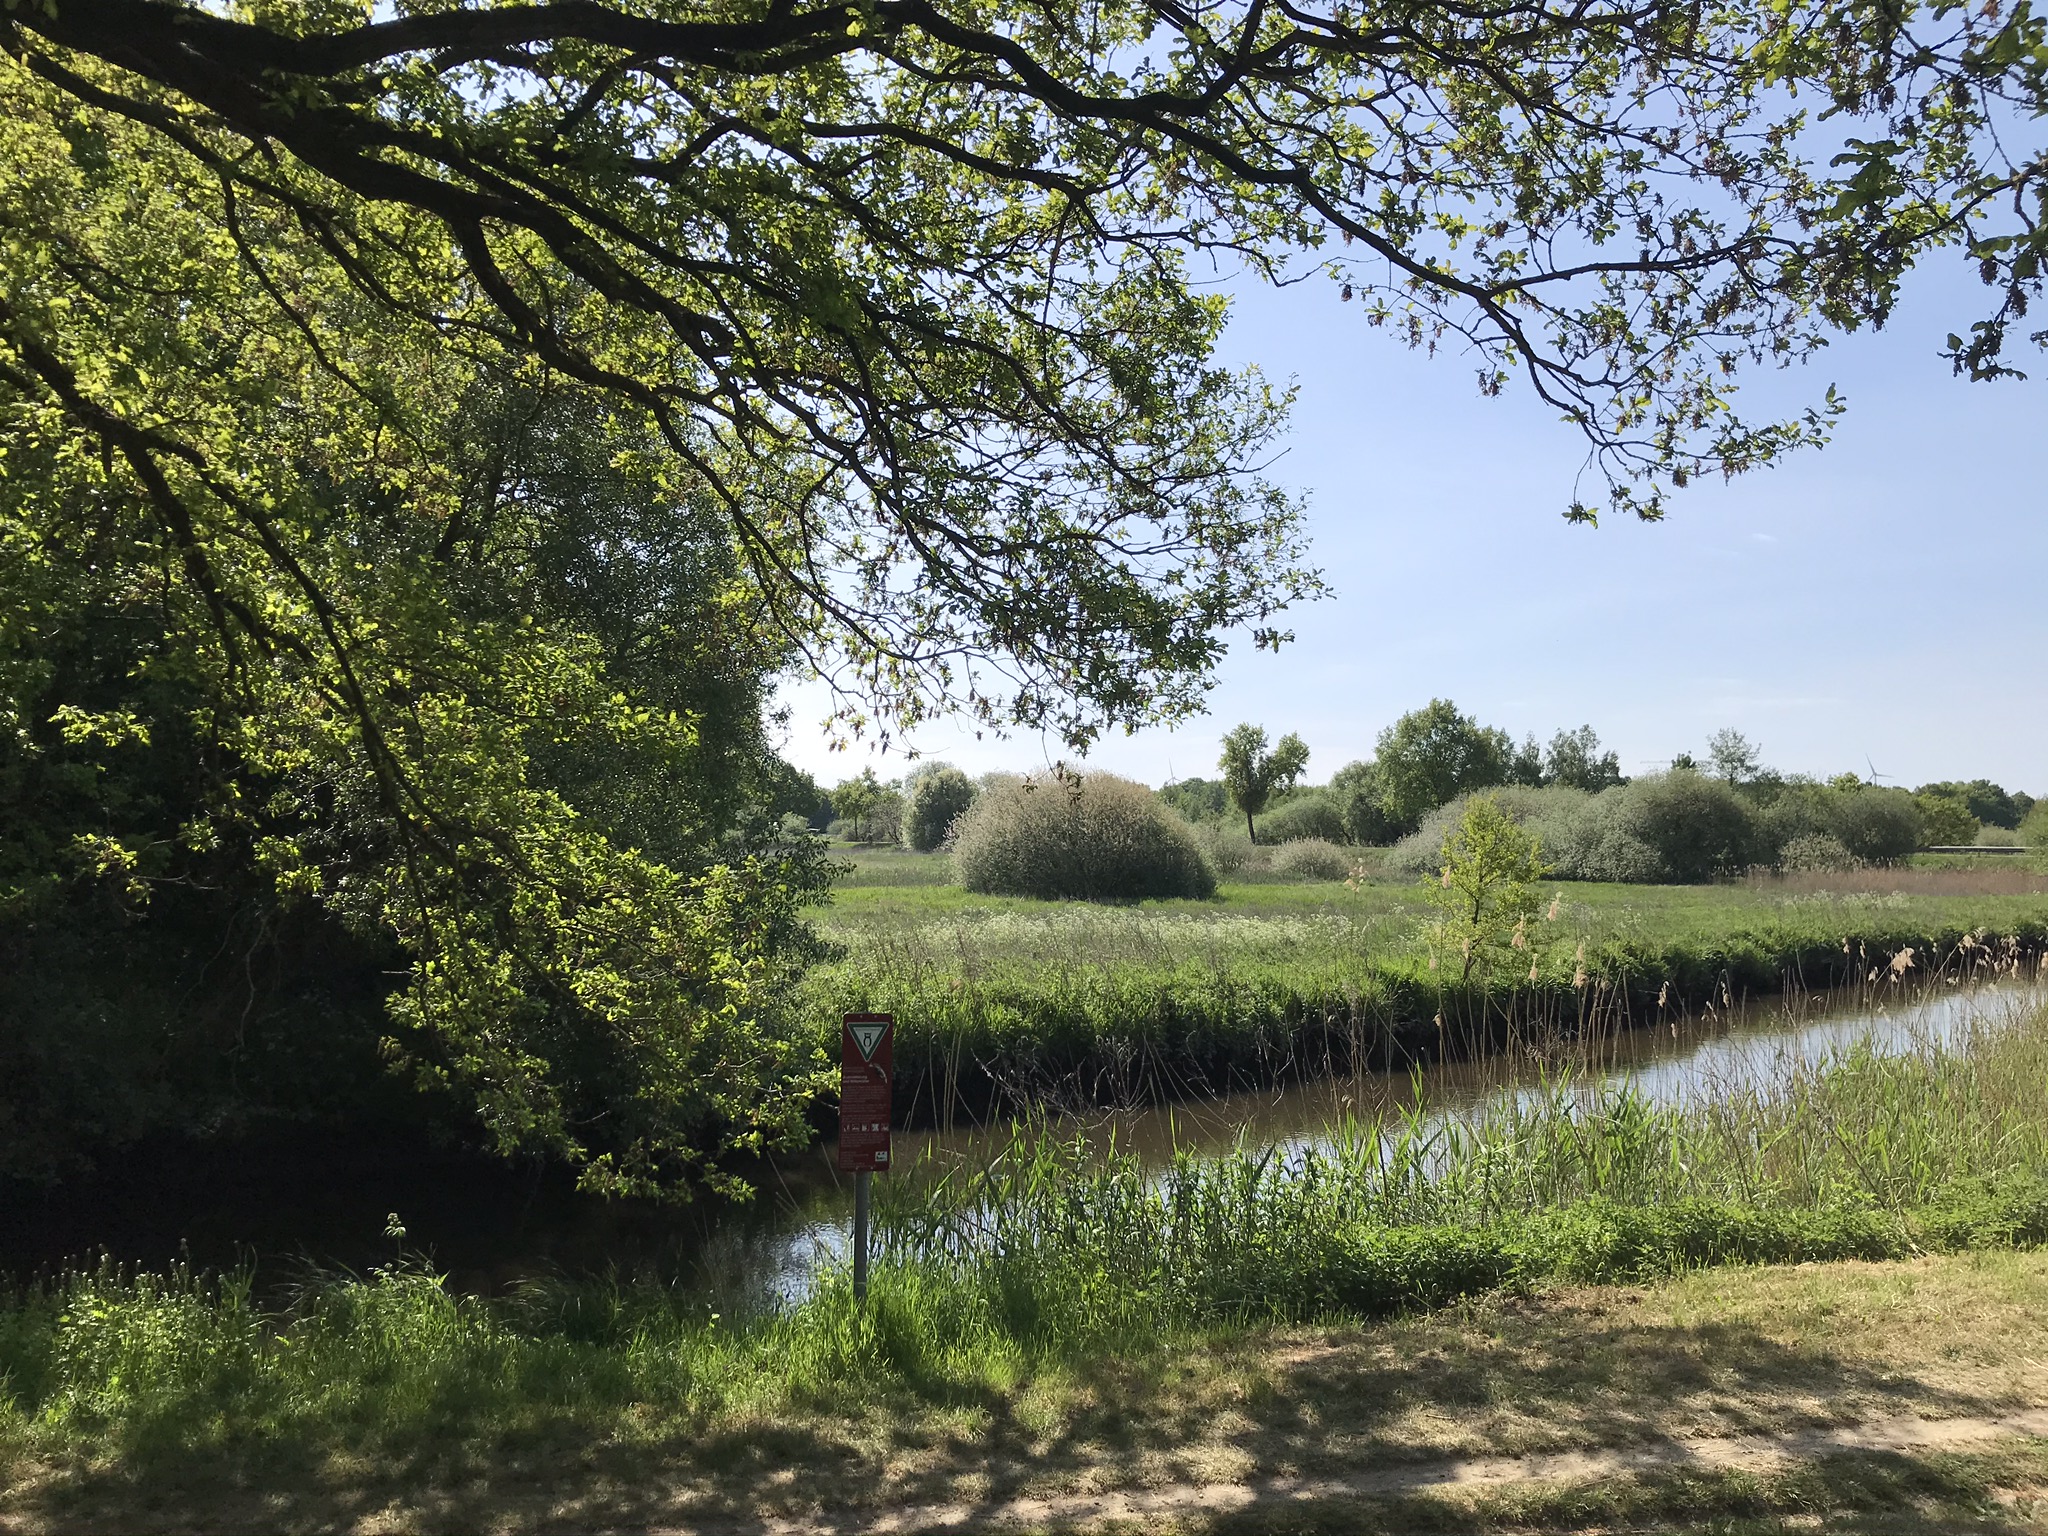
(1431, 756)
(1252, 774)
(884, 330)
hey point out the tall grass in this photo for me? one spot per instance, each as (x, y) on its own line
(1050, 1251)
(1006, 1006)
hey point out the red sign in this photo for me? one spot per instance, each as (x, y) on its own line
(867, 1073)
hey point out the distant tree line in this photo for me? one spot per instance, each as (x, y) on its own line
(1705, 814)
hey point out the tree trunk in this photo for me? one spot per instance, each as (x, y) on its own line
(1250, 831)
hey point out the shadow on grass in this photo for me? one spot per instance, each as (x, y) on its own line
(473, 1454)
(1871, 1493)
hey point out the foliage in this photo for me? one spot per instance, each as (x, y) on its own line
(1733, 756)
(2034, 830)
(1197, 800)
(1879, 826)
(1698, 826)
(1816, 853)
(1487, 907)
(1004, 239)
(1230, 852)
(1945, 817)
(937, 798)
(1575, 761)
(1525, 764)
(1090, 837)
(1311, 858)
(1431, 756)
(1362, 799)
(1986, 802)
(866, 810)
(1311, 813)
(789, 791)
(485, 714)
(1252, 774)
(1684, 826)
(855, 799)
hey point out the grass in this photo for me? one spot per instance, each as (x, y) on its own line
(1048, 1320)
(1003, 1002)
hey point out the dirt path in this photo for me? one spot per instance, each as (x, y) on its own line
(1904, 1434)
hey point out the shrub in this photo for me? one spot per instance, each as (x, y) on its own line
(1945, 818)
(1551, 816)
(1228, 850)
(2034, 829)
(1361, 800)
(1093, 837)
(1484, 895)
(1698, 827)
(1198, 800)
(1681, 827)
(1879, 826)
(1816, 853)
(1313, 813)
(937, 798)
(1311, 858)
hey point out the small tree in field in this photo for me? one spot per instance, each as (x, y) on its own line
(856, 800)
(1484, 890)
(1251, 774)
(937, 797)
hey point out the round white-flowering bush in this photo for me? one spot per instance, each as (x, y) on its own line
(1094, 837)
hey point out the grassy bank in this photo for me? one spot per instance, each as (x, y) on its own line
(1039, 1268)
(1008, 1002)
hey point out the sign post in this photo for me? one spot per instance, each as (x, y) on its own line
(867, 1076)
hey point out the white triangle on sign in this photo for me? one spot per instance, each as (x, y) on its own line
(867, 1037)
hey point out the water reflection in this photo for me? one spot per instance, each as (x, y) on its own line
(1751, 1047)
(488, 1225)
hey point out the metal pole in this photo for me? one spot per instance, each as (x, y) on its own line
(860, 1235)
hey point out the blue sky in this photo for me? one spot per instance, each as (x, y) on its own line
(1877, 603)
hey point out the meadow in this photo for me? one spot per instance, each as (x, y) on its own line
(1007, 1002)
(1022, 1302)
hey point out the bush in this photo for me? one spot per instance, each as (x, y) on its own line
(1816, 853)
(937, 798)
(1550, 815)
(1698, 827)
(1314, 813)
(1311, 858)
(1679, 827)
(1879, 826)
(1228, 849)
(1945, 818)
(2034, 829)
(1092, 838)
(1361, 800)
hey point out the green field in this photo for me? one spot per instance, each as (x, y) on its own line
(1007, 997)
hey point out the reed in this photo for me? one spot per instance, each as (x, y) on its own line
(1009, 1006)
(1054, 1250)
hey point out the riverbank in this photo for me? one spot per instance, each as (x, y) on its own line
(1005, 1004)
(1043, 1322)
